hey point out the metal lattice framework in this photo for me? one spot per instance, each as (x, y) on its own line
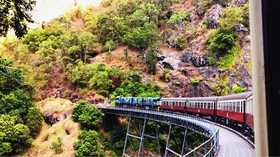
(195, 124)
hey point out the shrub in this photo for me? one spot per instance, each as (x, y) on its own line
(57, 146)
(196, 80)
(237, 89)
(181, 43)
(110, 45)
(89, 144)
(166, 75)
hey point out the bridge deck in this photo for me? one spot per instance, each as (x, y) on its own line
(232, 145)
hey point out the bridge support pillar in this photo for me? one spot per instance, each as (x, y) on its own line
(184, 147)
(185, 142)
(141, 137)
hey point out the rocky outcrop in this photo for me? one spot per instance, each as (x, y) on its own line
(213, 15)
(52, 117)
(197, 61)
(56, 110)
(170, 61)
(239, 2)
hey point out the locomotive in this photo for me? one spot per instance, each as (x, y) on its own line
(235, 109)
(137, 102)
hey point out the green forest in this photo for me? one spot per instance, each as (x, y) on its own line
(64, 51)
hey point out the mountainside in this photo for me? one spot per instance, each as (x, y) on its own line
(174, 48)
(184, 64)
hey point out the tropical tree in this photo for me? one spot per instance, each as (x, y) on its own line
(151, 60)
(15, 14)
(178, 20)
(141, 37)
(89, 144)
(14, 136)
(88, 116)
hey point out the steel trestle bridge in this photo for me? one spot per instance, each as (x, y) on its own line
(196, 124)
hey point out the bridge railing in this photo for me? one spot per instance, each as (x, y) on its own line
(210, 147)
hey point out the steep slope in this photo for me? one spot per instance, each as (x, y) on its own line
(185, 66)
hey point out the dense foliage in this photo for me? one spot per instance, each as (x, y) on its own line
(89, 144)
(20, 119)
(88, 116)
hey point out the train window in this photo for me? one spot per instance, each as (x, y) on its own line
(226, 105)
(238, 107)
(220, 106)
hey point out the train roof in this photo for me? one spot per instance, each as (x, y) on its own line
(238, 96)
(211, 98)
(172, 99)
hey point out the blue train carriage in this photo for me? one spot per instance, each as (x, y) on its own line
(149, 103)
(126, 101)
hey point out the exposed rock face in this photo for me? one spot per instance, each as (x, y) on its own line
(52, 117)
(213, 16)
(193, 62)
(196, 60)
(56, 110)
(195, 66)
(239, 2)
(170, 61)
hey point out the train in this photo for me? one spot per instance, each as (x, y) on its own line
(235, 109)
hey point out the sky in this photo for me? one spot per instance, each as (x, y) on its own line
(45, 10)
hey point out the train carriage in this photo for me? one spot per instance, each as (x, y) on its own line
(231, 108)
(249, 116)
(202, 105)
(173, 104)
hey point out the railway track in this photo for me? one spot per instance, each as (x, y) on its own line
(237, 130)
